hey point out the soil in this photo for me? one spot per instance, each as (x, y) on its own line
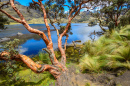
(71, 78)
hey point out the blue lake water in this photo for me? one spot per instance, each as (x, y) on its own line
(33, 46)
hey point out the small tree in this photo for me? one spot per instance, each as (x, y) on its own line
(113, 9)
(57, 67)
(3, 21)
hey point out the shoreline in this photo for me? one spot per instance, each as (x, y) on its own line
(23, 36)
(41, 23)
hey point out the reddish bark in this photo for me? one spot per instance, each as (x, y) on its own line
(38, 68)
(66, 41)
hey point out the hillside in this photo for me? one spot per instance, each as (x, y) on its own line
(35, 16)
(31, 16)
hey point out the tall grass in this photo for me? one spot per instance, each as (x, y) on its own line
(42, 58)
(109, 52)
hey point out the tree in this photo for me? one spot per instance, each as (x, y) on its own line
(3, 21)
(113, 9)
(125, 19)
(57, 67)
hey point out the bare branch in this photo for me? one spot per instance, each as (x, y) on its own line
(100, 22)
(45, 20)
(36, 2)
(23, 21)
(15, 19)
(16, 10)
(66, 41)
(4, 5)
(37, 68)
(76, 13)
(67, 6)
(75, 2)
(56, 29)
(52, 23)
(63, 58)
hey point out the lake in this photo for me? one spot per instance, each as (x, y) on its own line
(33, 44)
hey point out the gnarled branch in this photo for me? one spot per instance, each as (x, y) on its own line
(37, 68)
(45, 20)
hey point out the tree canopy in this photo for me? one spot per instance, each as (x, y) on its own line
(3, 21)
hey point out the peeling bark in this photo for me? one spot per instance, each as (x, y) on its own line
(54, 69)
(37, 68)
(66, 41)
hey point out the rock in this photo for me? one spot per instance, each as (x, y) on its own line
(19, 34)
(4, 39)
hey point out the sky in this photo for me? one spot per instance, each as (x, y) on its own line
(25, 3)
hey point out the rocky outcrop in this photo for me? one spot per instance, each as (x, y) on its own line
(4, 39)
(19, 34)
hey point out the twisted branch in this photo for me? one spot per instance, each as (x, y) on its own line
(37, 68)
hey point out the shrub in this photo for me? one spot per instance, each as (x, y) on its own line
(3, 21)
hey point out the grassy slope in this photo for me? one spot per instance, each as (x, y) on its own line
(31, 78)
(36, 17)
(109, 52)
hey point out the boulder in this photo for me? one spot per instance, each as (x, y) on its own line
(19, 34)
(4, 39)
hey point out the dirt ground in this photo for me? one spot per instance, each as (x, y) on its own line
(71, 78)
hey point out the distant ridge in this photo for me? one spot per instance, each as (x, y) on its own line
(35, 16)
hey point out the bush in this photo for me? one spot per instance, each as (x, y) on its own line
(9, 68)
(3, 21)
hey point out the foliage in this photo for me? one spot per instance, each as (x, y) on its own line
(13, 73)
(72, 54)
(8, 74)
(9, 68)
(42, 58)
(3, 21)
(12, 47)
(111, 26)
(114, 13)
(125, 19)
(109, 52)
(92, 22)
(30, 78)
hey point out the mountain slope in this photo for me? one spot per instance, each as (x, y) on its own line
(35, 16)
(30, 15)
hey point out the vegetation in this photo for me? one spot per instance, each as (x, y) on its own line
(3, 21)
(114, 9)
(52, 11)
(110, 52)
(92, 22)
(125, 19)
(10, 67)
(15, 73)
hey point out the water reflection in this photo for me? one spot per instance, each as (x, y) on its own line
(32, 44)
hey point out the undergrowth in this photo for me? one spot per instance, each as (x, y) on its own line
(110, 52)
